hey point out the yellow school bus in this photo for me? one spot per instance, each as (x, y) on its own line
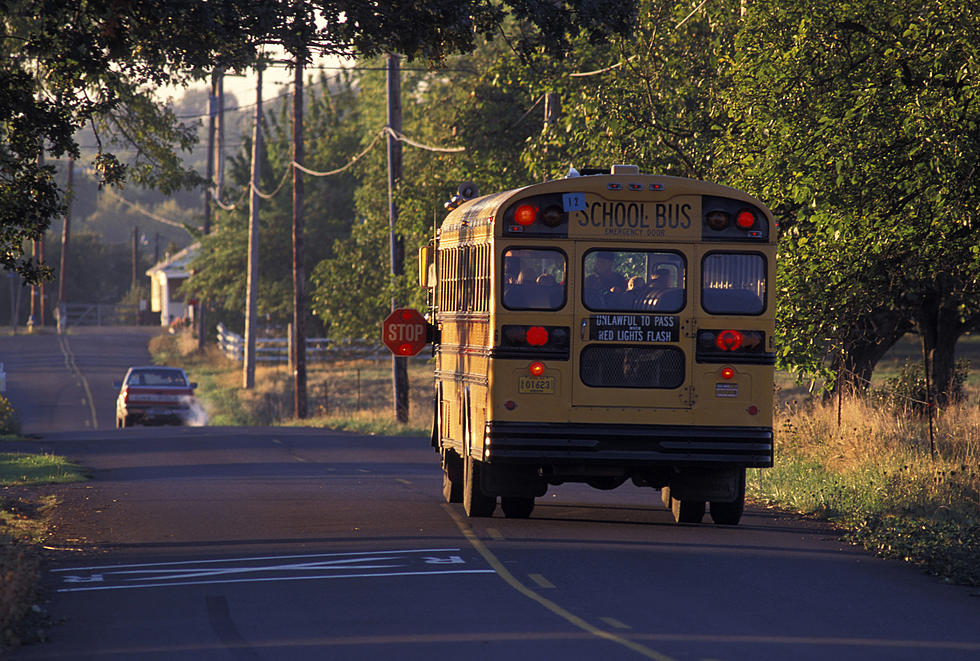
(607, 327)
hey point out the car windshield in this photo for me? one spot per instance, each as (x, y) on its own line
(156, 377)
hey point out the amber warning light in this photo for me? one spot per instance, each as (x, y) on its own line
(404, 332)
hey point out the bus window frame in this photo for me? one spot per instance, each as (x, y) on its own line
(684, 288)
(765, 274)
(504, 283)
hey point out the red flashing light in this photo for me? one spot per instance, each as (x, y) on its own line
(537, 336)
(536, 368)
(729, 340)
(745, 219)
(405, 349)
(525, 214)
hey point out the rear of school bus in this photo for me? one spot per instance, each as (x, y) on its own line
(632, 341)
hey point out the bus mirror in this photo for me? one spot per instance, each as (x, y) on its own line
(426, 266)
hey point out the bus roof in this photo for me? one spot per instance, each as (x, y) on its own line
(618, 205)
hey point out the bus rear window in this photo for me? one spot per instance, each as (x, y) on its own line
(534, 279)
(621, 280)
(733, 283)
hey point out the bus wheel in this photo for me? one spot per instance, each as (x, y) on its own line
(687, 511)
(475, 502)
(729, 514)
(452, 478)
(517, 507)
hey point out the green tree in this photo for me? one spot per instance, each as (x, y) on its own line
(65, 65)
(858, 121)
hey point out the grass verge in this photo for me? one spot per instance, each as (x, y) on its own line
(875, 476)
(23, 528)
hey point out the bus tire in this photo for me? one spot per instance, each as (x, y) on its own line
(452, 478)
(687, 511)
(730, 513)
(475, 502)
(517, 507)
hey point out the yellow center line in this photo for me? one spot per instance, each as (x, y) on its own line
(541, 581)
(551, 606)
(614, 623)
(70, 363)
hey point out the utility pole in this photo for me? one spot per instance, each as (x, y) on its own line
(208, 192)
(251, 295)
(136, 256)
(40, 260)
(298, 358)
(397, 247)
(65, 240)
(220, 185)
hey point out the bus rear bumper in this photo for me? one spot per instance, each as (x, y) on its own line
(633, 446)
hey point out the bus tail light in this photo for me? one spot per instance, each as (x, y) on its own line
(519, 341)
(733, 345)
(537, 336)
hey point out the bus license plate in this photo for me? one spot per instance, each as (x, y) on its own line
(536, 384)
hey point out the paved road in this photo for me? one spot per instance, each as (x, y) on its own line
(224, 543)
(64, 382)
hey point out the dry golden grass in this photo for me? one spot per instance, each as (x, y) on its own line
(874, 470)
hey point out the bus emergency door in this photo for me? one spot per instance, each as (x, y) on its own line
(631, 326)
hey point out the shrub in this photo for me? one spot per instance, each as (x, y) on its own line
(9, 422)
(907, 391)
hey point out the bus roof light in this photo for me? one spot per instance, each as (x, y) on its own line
(717, 220)
(553, 216)
(745, 219)
(525, 215)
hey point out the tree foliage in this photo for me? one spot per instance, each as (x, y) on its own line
(65, 65)
(858, 122)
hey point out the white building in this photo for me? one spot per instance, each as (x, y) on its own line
(166, 278)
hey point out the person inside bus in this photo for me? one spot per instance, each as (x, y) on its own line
(519, 282)
(661, 292)
(637, 288)
(604, 285)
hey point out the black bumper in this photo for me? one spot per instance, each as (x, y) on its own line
(633, 446)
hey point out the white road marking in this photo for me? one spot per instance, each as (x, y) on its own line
(365, 564)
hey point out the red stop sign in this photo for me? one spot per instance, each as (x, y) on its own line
(403, 331)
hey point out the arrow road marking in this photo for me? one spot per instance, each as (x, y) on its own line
(269, 568)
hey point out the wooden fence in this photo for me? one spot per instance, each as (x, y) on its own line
(318, 349)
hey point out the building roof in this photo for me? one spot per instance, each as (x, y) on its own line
(175, 266)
